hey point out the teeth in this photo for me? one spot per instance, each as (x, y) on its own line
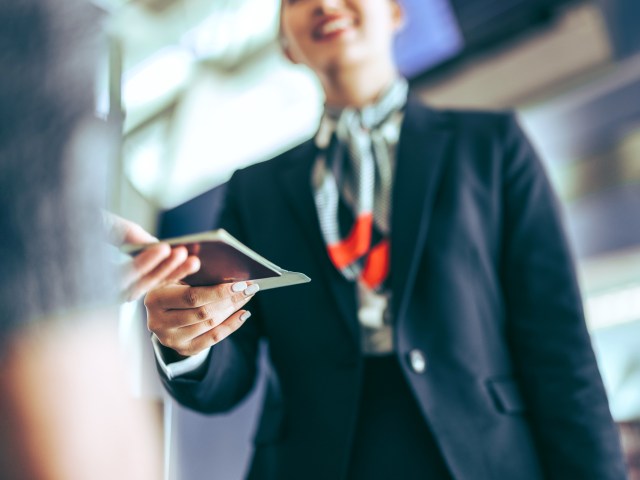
(335, 25)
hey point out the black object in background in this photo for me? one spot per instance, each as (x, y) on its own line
(441, 32)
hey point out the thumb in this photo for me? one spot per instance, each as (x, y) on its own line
(121, 230)
(134, 233)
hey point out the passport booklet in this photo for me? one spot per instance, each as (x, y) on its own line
(224, 259)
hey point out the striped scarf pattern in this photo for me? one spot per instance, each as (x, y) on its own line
(354, 166)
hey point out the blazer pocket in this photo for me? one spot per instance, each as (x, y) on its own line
(271, 425)
(506, 395)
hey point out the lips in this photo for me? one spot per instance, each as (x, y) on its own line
(331, 27)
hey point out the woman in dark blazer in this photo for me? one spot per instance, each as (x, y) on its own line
(442, 335)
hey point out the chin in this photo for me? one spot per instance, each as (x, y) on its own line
(345, 61)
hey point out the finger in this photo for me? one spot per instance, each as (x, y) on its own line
(186, 297)
(217, 334)
(134, 233)
(155, 278)
(144, 263)
(190, 266)
(121, 230)
(212, 314)
(189, 332)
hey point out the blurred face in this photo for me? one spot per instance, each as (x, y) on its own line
(328, 35)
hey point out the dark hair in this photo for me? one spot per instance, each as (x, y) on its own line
(50, 188)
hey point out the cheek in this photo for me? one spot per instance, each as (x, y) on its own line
(298, 43)
(381, 32)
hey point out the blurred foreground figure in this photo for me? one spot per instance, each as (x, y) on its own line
(64, 408)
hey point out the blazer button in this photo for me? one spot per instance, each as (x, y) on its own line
(417, 360)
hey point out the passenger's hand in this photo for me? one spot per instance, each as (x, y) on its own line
(191, 319)
(155, 266)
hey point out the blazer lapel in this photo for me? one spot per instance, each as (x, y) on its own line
(295, 180)
(424, 139)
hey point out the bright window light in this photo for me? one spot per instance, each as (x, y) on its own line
(161, 74)
(613, 307)
(233, 30)
(151, 84)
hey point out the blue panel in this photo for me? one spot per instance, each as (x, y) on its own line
(430, 36)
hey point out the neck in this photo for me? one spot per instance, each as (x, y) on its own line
(356, 87)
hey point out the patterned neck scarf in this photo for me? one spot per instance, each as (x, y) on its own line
(354, 171)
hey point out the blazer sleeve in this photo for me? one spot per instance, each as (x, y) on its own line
(230, 370)
(551, 347)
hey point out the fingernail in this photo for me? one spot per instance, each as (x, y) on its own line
(245, 315)
(251, 289)
(239, 287)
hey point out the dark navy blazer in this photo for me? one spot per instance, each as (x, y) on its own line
(482, 283)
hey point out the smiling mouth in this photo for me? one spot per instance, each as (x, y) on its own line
(332, 28)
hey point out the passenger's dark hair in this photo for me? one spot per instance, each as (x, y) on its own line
(52, 163)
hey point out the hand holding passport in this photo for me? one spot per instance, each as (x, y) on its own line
(224, 259)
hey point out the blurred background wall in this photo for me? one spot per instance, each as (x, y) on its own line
(193, 79)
